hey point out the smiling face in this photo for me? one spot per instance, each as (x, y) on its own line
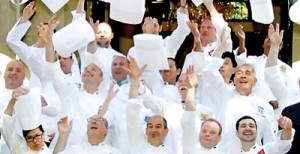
(247, 130)
(244, 79)
(156, 131)
(14, 74)
(92, 74)
(118, 71)
(182, 85)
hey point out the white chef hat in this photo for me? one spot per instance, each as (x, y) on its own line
(294, 14)
(28, 109)
(72, 37)
(54, 5)
(127, 11)
(149, 49)
(18, 2)
(262, 11)
(197, 2)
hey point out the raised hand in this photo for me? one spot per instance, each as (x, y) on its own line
(53, 22)
(275, 35)
(239, 32)
(94, 25)
(19, 92)
(285, 122)
(28, 11)
(45, 33)
(64, 127)
(150, 26)
(192, 78)
(195, 30)
(111, 92)
(134, 70)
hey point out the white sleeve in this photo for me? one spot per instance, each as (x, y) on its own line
(174, 41)
(14, 42)
(279, 146)
(273, 79)
(134, 122)
(219, 23)
(190, 132)
(213, 81)
(12, 139)
(152, 102)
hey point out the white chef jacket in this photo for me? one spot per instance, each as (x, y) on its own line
(285, 94)
(87, 148)
(191, 124)
(232, 105)
(77, 103)
(17, 143)
(138, 141)
(277, 146)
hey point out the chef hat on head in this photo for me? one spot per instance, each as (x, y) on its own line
(127, 11)
(294, 14)
(72, 37)
(92, 59)
(149, 49)
(28, 110)
(18, 2)
(262, 11)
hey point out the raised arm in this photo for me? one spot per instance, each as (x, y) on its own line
(64, 128)
(225, 42)
(110, 95)
(275, 36)
(15, 35)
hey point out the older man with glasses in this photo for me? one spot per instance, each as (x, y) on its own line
(96, 133)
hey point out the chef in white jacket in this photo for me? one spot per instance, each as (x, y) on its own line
(246, 131)
(97, 131)
(86, 98)
(211, 129)
(33, 138)
(157, 127)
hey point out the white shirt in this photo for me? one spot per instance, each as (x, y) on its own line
(190, 139)
(77, 103)
(138, 141)
(278, 146)
(232, 105)
(16, 142)
(87, 148)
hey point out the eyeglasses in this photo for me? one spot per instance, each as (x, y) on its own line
(99, 119)
(96, 119)
(37, 137)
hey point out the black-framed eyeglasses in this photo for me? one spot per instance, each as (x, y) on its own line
(37, 137)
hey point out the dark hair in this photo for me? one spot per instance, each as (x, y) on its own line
(243, 118)
(176, 64)
(25, 132)
(215, 121)
(230, 55)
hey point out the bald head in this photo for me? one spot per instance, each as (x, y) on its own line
(14, 74)
(104, 35)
